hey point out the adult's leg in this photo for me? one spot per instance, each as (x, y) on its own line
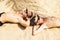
(15, 18)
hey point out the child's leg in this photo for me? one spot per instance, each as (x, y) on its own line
(53, 22)
(42, 27)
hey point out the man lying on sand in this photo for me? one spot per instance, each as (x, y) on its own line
(15, 17)
(28, 18)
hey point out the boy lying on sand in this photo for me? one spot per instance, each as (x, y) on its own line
(40, 22)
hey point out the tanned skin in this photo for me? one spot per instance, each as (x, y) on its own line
(48, 22)
(25, 17)
(15, 17)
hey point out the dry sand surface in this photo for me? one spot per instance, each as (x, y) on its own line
(15, 32)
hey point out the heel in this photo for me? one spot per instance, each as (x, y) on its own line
(1, 23)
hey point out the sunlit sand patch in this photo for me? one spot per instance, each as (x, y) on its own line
(8, 26)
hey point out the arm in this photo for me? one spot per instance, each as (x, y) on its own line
(23, 22)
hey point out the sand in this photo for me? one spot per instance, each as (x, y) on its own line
(15, 32)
